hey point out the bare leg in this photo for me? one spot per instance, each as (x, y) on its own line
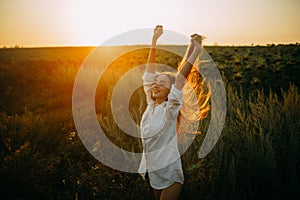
(156, 194)
(172, 192)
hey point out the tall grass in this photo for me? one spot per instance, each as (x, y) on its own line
(256, 157)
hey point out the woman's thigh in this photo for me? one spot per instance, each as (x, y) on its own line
(156, 194)
(172, 192)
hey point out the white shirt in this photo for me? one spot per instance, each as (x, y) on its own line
(158, 131)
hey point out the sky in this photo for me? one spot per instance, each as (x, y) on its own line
(30, 23)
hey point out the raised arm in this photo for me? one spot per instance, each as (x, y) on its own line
(151, 66)
(193, 52)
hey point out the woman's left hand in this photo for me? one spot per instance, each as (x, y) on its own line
(196, 41)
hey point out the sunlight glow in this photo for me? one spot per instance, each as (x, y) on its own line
(91, 22)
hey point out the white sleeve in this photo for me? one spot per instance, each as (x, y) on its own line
(174, 102)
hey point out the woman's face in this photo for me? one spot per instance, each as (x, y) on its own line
(161, 88)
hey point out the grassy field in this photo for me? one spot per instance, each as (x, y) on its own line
(42, 157)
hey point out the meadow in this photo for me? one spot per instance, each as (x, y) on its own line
(42, 156)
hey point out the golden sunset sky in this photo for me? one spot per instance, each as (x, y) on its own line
(91, 22)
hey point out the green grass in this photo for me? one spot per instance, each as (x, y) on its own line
(42, 157)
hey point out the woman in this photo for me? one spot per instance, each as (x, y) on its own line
(161, 159)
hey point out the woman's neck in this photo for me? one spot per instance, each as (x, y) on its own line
(159, 101)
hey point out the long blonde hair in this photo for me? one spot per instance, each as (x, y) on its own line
(195, 97)
(196, 83)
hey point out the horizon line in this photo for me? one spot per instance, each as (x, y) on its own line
(129, 45)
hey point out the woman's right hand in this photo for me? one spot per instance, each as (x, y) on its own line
(158, 31)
